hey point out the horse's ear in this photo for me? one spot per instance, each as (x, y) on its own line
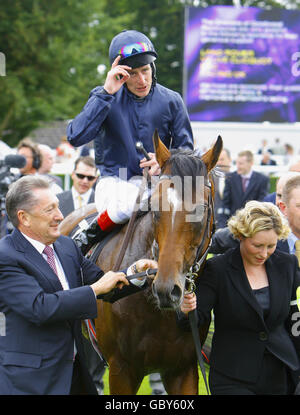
(211, 157)
(161, 151)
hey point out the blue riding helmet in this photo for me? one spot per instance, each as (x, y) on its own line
(134, 47)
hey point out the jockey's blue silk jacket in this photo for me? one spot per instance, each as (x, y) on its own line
(116, 122)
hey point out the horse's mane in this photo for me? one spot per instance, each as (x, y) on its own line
(185, 163)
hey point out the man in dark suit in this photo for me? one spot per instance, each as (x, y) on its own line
(276, 196)
(289, 205)
(241, 186)
(266, 160)
(223, 166)
(46, 288)
(84, 177)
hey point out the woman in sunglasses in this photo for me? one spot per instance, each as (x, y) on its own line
(127, 109)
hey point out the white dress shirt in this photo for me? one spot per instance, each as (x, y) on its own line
(291, 242)
(39, 246)
(85, 197)
(246, 177)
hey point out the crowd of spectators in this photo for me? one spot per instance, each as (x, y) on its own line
(246, 176)
(240, 177)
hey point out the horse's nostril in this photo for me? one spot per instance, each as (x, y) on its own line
(176, 293)
(167, 297)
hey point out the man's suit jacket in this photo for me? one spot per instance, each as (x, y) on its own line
(242, 333)
(218, 199)
(283, 246)
(235, 198)
(66, 203)
(43, 320)
(271, 197)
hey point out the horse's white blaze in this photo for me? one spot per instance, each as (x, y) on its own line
(174, 201)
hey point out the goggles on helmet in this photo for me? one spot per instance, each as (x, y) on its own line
(135, 48)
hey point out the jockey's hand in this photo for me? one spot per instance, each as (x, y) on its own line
(154, 168)
(189, 303)
(109, 281)
(116, 77)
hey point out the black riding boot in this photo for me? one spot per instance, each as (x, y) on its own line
(88, 237)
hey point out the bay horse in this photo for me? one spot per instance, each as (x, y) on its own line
(138, 334)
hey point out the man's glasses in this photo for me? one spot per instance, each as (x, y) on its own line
(83, 176)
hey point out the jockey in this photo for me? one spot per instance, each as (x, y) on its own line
(127, 109)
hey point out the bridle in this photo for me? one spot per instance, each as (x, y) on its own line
(193, 273)
(202, 250)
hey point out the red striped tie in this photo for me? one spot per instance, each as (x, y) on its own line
(244, 183)
(50, 257)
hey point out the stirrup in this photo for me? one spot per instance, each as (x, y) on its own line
(86, 238)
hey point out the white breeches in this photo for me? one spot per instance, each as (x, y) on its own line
(118, 197)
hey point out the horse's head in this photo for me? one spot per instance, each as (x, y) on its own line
(182, 216)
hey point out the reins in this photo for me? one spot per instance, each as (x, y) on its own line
(200, 259)
(129, 229)
(191, 285)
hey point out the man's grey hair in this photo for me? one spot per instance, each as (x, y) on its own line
(20, 195)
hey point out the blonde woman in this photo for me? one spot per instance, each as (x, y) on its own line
(251, 290)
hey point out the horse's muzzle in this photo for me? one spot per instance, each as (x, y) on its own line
(168, 296)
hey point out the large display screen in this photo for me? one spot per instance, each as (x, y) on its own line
(242, 64)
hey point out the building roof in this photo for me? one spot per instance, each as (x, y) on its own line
(50, 133)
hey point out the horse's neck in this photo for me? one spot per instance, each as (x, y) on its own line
(142, 238)
(139, 245)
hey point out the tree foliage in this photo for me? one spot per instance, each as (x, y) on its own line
(53, 49)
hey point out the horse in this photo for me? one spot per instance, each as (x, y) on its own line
(138, 334)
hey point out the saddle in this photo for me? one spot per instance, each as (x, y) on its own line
(96, 249)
